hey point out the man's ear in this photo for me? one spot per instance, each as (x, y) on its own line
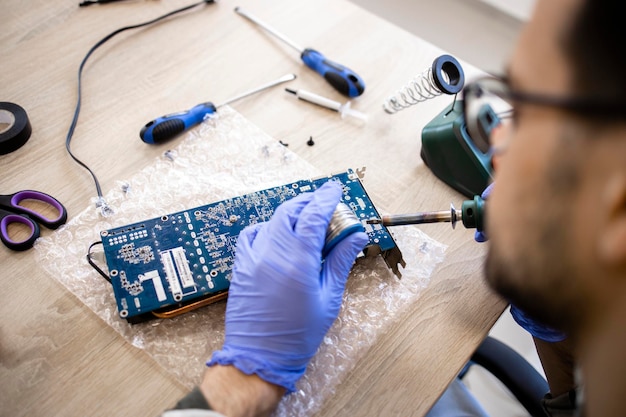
(612, 244)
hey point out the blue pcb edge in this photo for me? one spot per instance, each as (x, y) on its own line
(165, 266)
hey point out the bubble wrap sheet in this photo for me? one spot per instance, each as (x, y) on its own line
(225, 157)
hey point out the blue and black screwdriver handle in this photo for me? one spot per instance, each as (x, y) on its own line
(166, 127)
(343, 79)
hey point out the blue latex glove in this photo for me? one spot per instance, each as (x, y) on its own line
(538, 330)
(533, 327)
(283, 298)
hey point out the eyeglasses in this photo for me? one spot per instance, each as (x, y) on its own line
(488, 100)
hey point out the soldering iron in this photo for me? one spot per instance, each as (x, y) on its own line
(472, 215)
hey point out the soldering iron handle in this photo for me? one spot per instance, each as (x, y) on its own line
(473, 213)
(343, 79)
(167, 127)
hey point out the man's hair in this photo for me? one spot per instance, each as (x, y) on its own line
(594, 45)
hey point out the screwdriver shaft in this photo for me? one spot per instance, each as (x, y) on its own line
(279, 35)
(283, 79)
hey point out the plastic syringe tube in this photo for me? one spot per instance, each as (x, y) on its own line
(343, 109)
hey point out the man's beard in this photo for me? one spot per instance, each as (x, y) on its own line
(540, 279)
(541, 276)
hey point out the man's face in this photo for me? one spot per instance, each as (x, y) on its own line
(534, 258)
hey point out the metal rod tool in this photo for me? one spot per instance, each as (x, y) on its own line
(166, 127)
(343, 79)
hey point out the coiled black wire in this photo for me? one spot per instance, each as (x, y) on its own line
(70, 132)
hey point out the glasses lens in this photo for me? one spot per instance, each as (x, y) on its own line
(485, 103)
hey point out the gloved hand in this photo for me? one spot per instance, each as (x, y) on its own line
(283, 298)
(538, 330)
(482, 236)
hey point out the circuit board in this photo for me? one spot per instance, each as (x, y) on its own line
(167, 265)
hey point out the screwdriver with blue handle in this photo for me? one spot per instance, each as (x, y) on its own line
(343, 79)
(167, 127)
(472, 215)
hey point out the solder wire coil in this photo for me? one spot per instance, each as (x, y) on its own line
(444, 76)
(342, 224)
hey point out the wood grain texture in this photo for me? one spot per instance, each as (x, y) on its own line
(56, 356)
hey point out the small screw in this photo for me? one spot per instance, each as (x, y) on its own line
(170, 154)
(310, 141)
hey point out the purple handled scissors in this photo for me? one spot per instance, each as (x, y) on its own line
(11, 211)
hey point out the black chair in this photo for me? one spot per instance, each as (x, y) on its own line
(515, 373)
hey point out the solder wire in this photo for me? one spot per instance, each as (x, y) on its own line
(74, 122)
(342, 223)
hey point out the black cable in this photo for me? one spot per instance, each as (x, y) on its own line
(70, 133)
(93, 264)
(90, 2)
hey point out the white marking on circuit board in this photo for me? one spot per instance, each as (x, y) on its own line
(135, 288)
(361, 203)
(182, 266)
(305, 188)
(137, 303)
(220, 264)
(134, 255)
(170, 275)
(138, 235)
(118, 240)
(156, 282)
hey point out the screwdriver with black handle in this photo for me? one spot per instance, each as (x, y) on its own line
(167, 127)
(471, 214)
(343, 79)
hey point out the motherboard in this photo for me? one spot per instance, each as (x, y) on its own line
(178, 262)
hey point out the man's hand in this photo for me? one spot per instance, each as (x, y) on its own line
(283, 298)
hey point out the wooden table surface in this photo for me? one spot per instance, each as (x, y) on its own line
(57, 358)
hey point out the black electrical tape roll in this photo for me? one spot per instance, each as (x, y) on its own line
(17, 130)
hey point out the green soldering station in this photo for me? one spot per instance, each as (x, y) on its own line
(449, 151)
(451, 154)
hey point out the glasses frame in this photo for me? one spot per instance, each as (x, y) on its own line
(596, 107)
